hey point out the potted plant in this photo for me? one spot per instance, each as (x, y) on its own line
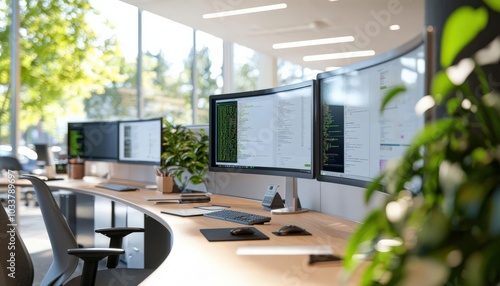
(441, 222)
(184, 155)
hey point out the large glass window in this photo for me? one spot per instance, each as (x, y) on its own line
(117, 98)
(208, 74)
(246, 71)
(289, 73)
(115, 84)
(166, 79)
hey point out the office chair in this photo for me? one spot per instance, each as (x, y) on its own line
(12, 249)
(10, 163)
(15, 260)
(66, 252)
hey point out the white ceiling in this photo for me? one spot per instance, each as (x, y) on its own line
(367, 20)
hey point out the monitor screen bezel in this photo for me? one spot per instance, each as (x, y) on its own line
(263, 170)
(113, 158)
(410, 46)
(141, 162)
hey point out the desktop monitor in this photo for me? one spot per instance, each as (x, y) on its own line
(93, 140)
(268, 132)
(140, 141)
(46, 156)
(356, 140)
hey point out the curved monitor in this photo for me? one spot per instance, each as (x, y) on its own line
(356, 140)
(268, 132)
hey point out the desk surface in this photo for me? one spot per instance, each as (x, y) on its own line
(194, 260)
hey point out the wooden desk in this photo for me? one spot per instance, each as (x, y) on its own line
(195, 261)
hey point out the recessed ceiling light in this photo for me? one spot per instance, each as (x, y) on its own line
(245, 11)
(313, 42)
(394, 27)
(336, 56)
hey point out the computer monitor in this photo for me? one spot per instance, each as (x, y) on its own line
(93, 140)
(268, 132)
(45, 155)
(140, 141)
(356, 140)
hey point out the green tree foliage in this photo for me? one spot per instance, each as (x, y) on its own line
(117, 100)
(247, 75)
(162, 93)
(206, 82)
(162, 89)
(62, 58)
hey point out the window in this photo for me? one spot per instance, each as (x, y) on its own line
(208, 74)
(163, 84)
(118, 99)
(166, 79)
(246, 71)
(289, 73)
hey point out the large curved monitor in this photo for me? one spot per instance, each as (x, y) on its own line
(356, 140)
(269, 131)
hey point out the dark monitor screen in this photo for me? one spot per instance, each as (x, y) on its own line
(140, 141)
(269, 131)
(356, 140)
(44, 154)
(93, 140)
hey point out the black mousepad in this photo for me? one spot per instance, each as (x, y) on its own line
(305, 232)
(224, 234)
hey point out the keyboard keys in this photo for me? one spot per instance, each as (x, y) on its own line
(238, 217)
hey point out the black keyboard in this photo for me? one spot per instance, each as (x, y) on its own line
(239, 217)
(116, 187)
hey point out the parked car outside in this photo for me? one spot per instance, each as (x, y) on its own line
(26, 156)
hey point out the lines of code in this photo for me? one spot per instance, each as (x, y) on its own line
(75, 137)
(227, 131)
(333, 138)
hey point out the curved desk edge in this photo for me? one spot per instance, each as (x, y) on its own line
(194, 261)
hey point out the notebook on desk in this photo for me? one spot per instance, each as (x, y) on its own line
(186, 212)
(176, 198)
(45, 178)
(117, 187)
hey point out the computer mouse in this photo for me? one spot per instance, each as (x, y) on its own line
(290, 229)
(242, 231)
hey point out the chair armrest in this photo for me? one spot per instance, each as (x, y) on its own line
(119, 231)
(116, 235)
(96, 254)
(91, 257)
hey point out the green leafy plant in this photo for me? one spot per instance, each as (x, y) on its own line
(184, 154)
(441, 222)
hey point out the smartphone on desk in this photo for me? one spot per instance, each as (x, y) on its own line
(187, 200)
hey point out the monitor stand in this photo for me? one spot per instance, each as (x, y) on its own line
(292, 203)
(50, 173)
